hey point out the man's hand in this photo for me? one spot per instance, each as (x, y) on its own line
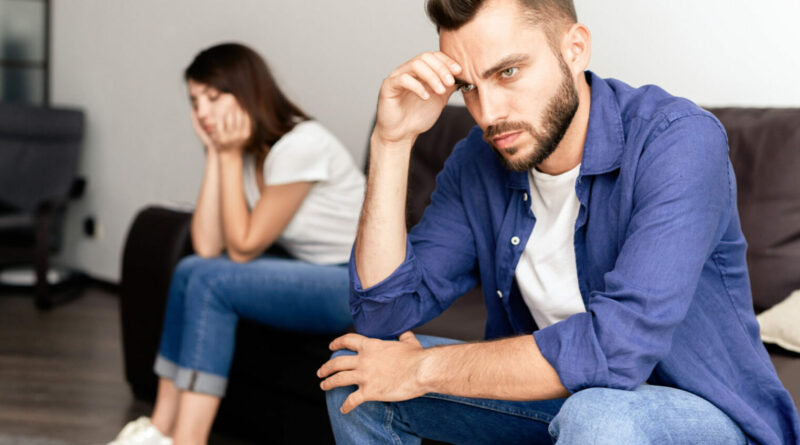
(233, 131)
(413, 96)
(383, 370)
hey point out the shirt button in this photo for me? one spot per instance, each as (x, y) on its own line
(525, 197)
(515, 240)
(499, 294)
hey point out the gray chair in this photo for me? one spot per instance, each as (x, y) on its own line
(39, 150)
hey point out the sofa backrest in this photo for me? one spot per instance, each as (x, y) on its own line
(765, 152)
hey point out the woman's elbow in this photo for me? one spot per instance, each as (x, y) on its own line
(206, 251)
(242, 253)
(239, 257)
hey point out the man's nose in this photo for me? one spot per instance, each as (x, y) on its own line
(493, 107)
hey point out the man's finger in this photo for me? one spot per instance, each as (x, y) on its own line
(340, 379)
(455, 68)
(351, 341)
(441, 69)
(426, 73)
(352, 401)
(408, 82)
(409, 337)
(341, 363)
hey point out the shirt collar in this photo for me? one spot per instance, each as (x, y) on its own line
(602, 151)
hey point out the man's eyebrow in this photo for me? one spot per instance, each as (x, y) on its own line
(506, 62)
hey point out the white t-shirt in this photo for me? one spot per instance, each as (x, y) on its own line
(547, 273)
(324, 227)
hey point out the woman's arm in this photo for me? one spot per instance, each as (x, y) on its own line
(247, 234)
(207, 238)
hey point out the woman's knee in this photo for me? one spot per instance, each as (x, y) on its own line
(187, 266)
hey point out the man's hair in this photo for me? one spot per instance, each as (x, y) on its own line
(450, 15)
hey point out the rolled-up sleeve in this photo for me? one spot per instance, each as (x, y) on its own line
(682, 205)
(438, 268)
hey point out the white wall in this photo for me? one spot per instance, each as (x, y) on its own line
(122, 62)
(715, 52)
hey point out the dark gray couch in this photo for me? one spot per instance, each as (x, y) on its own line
(279, 367)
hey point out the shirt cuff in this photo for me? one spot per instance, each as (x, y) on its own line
(572, 349)
(404, 280)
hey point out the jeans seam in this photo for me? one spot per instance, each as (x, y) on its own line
(206, 298)
(387, 424)
(539, 417)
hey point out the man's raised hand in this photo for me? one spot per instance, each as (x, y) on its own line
(413, 96)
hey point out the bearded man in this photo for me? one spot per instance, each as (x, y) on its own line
(601, 223)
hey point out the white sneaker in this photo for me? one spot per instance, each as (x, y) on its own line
(132, 427)
(141, 432)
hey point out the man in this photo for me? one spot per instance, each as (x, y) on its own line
(605, 224)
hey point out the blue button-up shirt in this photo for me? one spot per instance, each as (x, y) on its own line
(660, 258)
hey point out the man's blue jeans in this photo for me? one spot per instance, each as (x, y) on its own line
(650, 414)
(208, 296)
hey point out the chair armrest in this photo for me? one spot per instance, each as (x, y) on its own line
(157, 240)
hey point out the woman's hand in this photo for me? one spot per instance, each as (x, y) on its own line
(201, 133)
(233, 131)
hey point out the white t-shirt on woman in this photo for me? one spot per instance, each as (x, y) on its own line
(324, 227)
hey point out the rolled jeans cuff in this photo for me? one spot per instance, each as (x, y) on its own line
(190, 379)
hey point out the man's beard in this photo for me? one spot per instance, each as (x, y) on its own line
(557, 118)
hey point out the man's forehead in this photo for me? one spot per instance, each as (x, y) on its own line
(482, 49)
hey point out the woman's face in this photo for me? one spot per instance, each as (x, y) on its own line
(210, 105)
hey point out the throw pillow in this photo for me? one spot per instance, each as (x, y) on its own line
(779, 324)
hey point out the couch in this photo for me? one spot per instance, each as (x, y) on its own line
(273, 394)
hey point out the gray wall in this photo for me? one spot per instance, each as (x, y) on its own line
(122, 61)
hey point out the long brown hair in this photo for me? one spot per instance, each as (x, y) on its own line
(236, 69)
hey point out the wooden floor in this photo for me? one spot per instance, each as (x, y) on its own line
(61, 372)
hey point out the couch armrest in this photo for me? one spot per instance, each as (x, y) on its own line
(157, 240)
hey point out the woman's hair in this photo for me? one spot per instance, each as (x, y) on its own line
(236, 69)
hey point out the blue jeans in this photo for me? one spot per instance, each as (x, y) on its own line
(649, 414)
(208, 296)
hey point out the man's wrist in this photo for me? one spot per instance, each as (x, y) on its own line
(400, 145)
(428, 375)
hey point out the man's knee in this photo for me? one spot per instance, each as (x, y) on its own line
(336, 396)
(599, 415)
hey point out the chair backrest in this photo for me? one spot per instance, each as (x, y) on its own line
(39, 150)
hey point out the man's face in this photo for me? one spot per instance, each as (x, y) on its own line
(520, 92)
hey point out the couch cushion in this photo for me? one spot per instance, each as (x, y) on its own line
(765, 152)
(779, 324)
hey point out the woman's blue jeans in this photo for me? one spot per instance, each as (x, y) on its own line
(207, 297)
(648, 415)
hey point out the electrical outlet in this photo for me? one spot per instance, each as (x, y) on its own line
(92, 228)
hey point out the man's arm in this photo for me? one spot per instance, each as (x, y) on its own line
(508, 369)
(410, 101)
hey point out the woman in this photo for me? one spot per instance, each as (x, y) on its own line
(272, 176)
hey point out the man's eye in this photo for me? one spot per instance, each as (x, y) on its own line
(509, 72)
(212, 97)
(466, 88)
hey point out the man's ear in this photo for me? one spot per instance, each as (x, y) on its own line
(577, 47)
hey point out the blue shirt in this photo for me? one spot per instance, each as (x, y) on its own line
(660, 258)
